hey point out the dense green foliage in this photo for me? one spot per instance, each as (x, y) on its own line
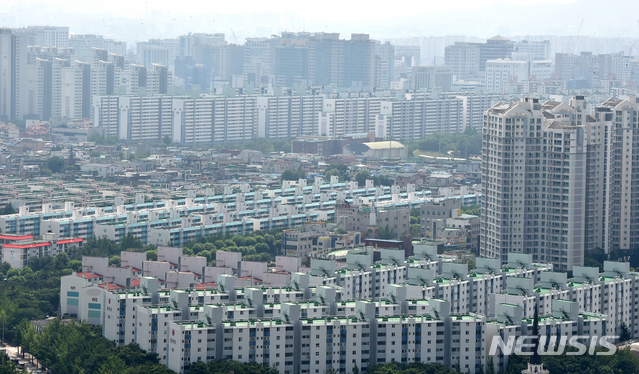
(80, 348)
(32, 293)
(8, 367)
(224, 367)
(379, 180)
(8, 209)
(474, 210)
(412, 368)
(340, 170)
(102, 140)
(622, 362)
(462, 144)
(293, 175)
(267, 146)
(103, 247)
(597, 256)
(55, 164)
(256, 246)
(386, 232)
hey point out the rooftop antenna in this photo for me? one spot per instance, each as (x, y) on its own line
(577, 38)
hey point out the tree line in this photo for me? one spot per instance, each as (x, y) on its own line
(256, 246)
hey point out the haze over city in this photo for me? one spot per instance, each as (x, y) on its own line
(133, 21)
(339, 187)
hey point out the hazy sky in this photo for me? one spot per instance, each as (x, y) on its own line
(326, 10)
(134, 20)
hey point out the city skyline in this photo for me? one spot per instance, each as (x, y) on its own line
(483, 19)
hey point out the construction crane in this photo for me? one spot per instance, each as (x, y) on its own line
(235, 37)
(577, 38)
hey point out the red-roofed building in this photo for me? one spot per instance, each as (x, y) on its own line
(11, 238)
(18, 249)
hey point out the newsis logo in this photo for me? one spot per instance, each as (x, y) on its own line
(524, 345)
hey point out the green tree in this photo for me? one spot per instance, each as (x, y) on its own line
(76, 265)
(115, 261)
(26, 271)
(113, 365)
(293, 175)
(13, 273)
(625, 333)
(490, 366)
(415, 230)
(8, 209)
(55, 164)
(152, 255)
(362, 176)
(386, 233)
(129, 241)
(62, 261)
(6, 366)
(261, 247)
(167, 140)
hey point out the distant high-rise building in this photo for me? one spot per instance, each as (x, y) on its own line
(150, 53)
(51, 36)
(385, 64)
(13, 75)
(172, 45)
(579, 71)
(411, 54)
(468, 59)
(83, 44)
(259, 60)
(539, 50)
(189, 41)
(76, 91)
(359, 62)
(325, 57)
(463, 58)
(494, 48)
(501, 72)
(431, 77)
(291, 63)
(231, 62)
(157, 82)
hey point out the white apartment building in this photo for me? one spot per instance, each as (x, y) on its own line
(538, 50)
(417, 116)
(463, 58)
(319, 344)
(227, 119)
(18, 253)
(51, 36)
(347, 116)
(71, 92)
(501, 72)
(620, 116)
(541, 70)
(532, 206)
(319, 330)
(474, 107)
(281, 117)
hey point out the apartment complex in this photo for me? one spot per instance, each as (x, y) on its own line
(177, 221)
(188, 317)
(224, 119)
(556, 181)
